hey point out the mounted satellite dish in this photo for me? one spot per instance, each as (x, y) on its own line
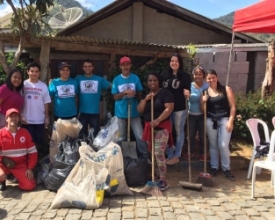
(65, 18)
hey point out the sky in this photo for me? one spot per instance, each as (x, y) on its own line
(207, 8)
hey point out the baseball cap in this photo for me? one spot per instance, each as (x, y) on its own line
(63, 64)
(124, 60)
(11, 110)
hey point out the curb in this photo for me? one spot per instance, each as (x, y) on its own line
(236, 163)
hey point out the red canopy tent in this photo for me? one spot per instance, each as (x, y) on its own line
(257, 18)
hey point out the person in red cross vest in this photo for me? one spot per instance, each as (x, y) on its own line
(18, 154)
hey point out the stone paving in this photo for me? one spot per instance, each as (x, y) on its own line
(226, 200)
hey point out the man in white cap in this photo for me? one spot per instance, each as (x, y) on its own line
(18, 154)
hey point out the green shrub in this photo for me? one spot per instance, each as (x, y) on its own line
(9, 57)
(252, 106)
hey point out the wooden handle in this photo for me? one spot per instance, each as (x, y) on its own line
(129, 122)
(204, 133)
(152, 140)
(188, 140)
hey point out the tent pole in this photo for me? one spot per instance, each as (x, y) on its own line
(230, 59)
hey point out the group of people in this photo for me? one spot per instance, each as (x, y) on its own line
(170, 92)
(28, 102)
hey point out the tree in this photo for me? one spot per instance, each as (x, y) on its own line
(27, 21)
(268, 83)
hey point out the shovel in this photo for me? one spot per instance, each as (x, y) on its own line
(129, 147)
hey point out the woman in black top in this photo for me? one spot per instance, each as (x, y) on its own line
(221, 109)
(178, 83)
(163, 106)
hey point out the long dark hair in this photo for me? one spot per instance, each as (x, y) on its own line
(169, 73)
(8, 80)
(220, 87)
(157, 75)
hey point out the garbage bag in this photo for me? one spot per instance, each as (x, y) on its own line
(108, 133)
(84, 187)
(64, 162)
(53, 143)
(61, 130)
(68, 150)
(44, 165)
(70, 128)
(57, 175)
(110, 157)
(135, 171)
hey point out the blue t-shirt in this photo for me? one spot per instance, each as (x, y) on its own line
(89, 93)
(64, 93)
(120, 84)
(194, 99)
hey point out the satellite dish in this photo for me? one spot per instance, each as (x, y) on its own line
(65, 18)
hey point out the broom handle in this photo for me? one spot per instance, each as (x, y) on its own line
(152, 140)
(188, 139)
(129, 118)
(204, 133)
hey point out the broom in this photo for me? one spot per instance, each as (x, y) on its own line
(184, 184)
(152, 187)
(205, 178)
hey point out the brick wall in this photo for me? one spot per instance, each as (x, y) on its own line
(238, 78)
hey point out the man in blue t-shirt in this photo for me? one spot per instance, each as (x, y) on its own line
(127, 88)
(90, 87)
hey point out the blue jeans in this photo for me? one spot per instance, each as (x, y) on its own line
(196, 124)
(135, 125)
(218, 143)
(89, 119)
(178, 119)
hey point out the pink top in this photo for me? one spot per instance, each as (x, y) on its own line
(10, 99)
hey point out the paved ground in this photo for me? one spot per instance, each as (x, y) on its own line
(226, 200)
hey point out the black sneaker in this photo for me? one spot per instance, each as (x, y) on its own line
(11, 178)
(163, 185)
(214, 172)
(228, 175)
(3, 186)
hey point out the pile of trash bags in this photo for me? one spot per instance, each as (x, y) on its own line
(85, 169)
(96, 174)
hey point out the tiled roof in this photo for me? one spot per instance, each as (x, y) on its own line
(85, 40)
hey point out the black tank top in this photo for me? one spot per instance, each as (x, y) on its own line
(218, 106)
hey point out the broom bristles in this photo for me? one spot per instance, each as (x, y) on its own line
(151, 188)
(205, 179)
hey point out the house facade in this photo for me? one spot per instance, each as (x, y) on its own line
(149, 29)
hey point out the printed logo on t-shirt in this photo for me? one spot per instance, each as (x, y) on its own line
(175, 84)
(127, 86)
(65, 91)
(89, 86)
(32, 91)
(22, 139)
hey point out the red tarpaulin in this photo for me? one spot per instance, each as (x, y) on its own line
(258, 18)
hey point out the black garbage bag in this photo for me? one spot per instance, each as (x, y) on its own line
(135, 170)
(64, 162)
(57, 175)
